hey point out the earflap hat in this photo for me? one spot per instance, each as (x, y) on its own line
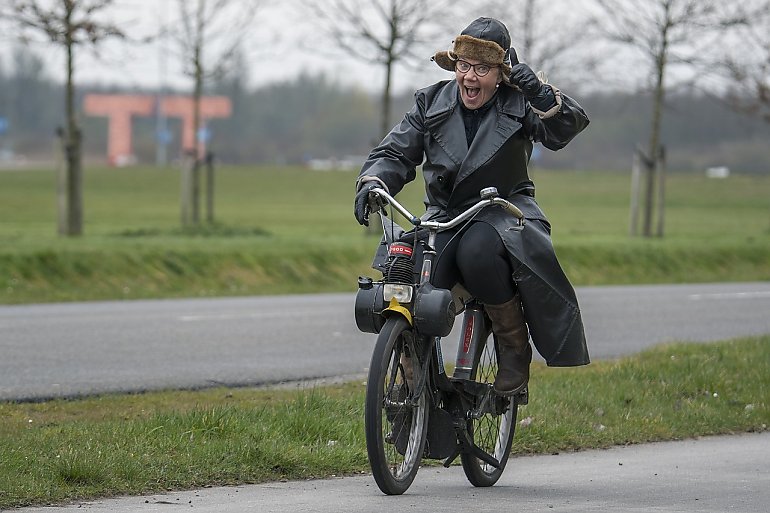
(486, 40)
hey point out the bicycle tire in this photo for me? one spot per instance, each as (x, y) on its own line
(492, 433)
(395, 429)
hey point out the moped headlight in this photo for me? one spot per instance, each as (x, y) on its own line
(398, 291)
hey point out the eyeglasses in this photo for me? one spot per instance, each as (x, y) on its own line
(479, 69)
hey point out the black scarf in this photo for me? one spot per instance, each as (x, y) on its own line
(472, 118)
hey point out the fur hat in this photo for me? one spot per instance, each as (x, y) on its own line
(486, 40)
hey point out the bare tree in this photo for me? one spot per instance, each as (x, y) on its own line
(67, 24)
(666, 33)
(746, 65)
(384, 32)
(208, 35)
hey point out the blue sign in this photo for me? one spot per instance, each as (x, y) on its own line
(204, 134)
(164, 136)
(3, 125)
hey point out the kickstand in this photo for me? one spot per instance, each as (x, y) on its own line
(468, 446)
(449, 460)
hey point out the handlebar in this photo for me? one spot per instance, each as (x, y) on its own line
(489, 196)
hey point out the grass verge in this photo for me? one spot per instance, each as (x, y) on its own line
(61, 451)
(286, 230)
(332, 266)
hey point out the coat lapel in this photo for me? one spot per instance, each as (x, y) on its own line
(444, 121)
(496, 128)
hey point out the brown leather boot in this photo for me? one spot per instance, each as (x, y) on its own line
(513, 342)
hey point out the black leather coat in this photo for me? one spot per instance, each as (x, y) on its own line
(432, 133)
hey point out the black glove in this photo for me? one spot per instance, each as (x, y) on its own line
(363, 207)
(540, 95)
(513, 56)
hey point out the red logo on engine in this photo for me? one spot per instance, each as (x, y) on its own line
(400, 249)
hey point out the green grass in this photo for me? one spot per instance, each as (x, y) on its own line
(290, 230)
(60, 451)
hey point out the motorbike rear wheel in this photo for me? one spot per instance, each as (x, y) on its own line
(396, 421)
(493, 432)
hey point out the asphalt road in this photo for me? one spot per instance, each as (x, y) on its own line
(72, 349)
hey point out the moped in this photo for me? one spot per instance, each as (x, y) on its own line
(415, 408)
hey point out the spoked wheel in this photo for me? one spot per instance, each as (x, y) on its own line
(396, 421)
(493, 432)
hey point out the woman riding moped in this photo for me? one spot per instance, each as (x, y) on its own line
(473, 132)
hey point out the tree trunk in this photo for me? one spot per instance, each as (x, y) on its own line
(209, 187)
(60, 151)
(633, 221)
(385, 114)
(374, 220)
(73, 187)
(660, 170)
(196, 181)
(185, 192)
(653, 151)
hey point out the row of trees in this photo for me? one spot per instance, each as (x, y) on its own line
(313, 117)
(660, 35)
(74, 24)
(30, 101)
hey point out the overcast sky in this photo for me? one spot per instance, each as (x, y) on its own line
(286, 41)
(274, 54)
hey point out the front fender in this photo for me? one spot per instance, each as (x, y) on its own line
(396, 308)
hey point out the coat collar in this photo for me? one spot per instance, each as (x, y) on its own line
(443, 119)
(446, 101)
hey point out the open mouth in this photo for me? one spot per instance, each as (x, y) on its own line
(472, 92)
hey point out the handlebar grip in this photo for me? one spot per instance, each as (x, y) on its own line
(390, 200)
(513, 209)
(510, 207)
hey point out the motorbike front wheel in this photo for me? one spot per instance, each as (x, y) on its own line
(396, 421)
(493, 432)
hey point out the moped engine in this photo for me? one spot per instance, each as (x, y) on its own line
(397, 283)
(400, 267)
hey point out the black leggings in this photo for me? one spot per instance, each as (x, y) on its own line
(477, 258)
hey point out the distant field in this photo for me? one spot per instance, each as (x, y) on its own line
(290, 230)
